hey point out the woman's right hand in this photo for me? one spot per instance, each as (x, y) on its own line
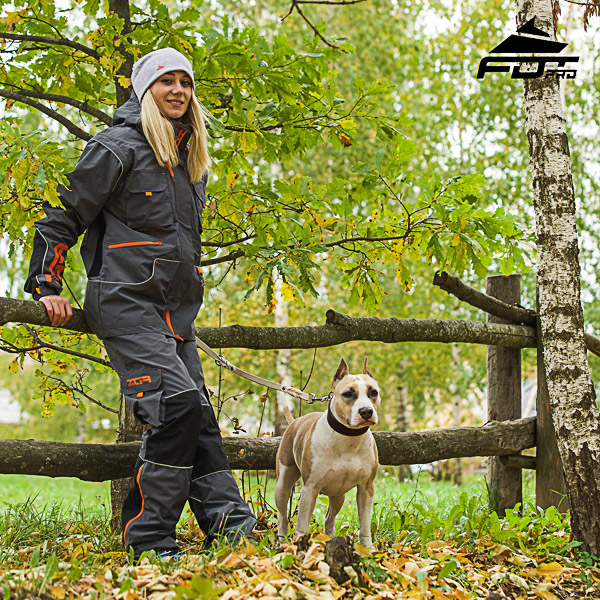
(58, 308)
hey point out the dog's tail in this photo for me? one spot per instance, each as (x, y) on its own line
(288, 415)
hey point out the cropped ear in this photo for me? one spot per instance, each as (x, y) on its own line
(366, 370)
(341, 372)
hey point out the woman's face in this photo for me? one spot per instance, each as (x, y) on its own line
(172, 93)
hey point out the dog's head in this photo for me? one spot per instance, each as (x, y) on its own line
(355, 397)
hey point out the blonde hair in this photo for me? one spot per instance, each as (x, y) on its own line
(161, 137)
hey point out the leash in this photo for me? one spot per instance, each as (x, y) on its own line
(221, 361)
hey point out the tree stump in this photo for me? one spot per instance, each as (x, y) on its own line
(339, 553)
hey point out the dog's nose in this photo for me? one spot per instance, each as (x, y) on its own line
(365, 412)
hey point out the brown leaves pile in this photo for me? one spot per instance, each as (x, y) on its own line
(439, 570)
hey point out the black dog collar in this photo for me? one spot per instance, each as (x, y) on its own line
(340, 428)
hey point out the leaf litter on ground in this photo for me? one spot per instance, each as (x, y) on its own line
(523, 556)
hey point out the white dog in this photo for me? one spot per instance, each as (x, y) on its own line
(333, 452)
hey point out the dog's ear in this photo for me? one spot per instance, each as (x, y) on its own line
(341, 372)
(366, 369)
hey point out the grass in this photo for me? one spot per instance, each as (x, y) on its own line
(61, 536)
(66, 491)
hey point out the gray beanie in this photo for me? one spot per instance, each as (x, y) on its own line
(151, 66)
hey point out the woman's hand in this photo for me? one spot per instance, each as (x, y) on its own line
(58, 308)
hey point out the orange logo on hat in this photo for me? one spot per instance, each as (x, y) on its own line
(159, 68)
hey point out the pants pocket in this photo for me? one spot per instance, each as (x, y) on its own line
(144, 396)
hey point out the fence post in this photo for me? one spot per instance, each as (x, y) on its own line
(550, 488)
(505, 484)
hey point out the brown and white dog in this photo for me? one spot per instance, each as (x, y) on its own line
(333, 451)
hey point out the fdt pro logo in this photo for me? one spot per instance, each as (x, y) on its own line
(533, 40)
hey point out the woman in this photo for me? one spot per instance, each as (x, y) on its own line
(138, 193)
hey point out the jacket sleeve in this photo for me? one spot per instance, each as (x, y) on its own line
(96, 175)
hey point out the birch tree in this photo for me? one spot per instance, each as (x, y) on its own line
(572, 397)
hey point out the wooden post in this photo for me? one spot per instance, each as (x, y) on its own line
(505, 484)
(550, 488)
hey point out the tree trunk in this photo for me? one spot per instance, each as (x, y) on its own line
(130, 430)
(282, 365)
(122, 9)
(571, 392)
(456, 414)
(403, 416)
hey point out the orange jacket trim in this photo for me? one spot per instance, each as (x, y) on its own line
(58, 262)
(125, 244)
(141, 510)
(171, 326)
(180, 137)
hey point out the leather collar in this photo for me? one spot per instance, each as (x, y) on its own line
(342, 429)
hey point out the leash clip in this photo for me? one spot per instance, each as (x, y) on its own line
(314, 398)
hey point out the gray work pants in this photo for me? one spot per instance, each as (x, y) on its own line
(181, 458)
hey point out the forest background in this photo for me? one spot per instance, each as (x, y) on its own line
(408, 110)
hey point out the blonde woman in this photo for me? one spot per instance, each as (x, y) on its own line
(138, 193)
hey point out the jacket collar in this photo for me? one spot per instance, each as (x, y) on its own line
(341, 428)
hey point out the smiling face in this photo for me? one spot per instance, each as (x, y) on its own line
(172, 93)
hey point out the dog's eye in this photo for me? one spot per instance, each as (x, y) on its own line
(347, 394)
(373, 393)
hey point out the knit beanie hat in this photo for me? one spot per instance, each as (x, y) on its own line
(151, 66)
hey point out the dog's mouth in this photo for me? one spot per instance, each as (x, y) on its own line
(363, 422)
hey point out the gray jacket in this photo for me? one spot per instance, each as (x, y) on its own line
(142, 242)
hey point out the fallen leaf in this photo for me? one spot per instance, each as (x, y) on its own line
(551, 570)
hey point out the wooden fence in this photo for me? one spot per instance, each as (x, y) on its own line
(508, 329)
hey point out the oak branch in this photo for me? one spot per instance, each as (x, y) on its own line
(101, 462)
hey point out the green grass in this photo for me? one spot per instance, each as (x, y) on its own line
(69, 492)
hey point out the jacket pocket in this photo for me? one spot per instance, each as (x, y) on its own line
(147, 201)
(144, 395)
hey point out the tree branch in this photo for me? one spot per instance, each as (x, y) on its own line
(100, 462)
(228, 257)
(42, 344)
(514, 314)
(83, 106)
(508, 312)
(38, 39)
(338, 329)
(295, 6)
(76, 131)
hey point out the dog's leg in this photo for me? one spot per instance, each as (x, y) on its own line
(335, 504)
(364, 503)
(306, 506)
(283, 488)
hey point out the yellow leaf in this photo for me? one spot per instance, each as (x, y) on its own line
(105, 62)
(12, 18)
(319, 220)
(544, 594)
(248, 142)
(455, 239)
(362, 550)
(552, 570)
(57, 592)
(13, 367)
(287, 292)
(124, 82)
(231, 179)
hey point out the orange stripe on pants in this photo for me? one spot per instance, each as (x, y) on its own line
(141, 510)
